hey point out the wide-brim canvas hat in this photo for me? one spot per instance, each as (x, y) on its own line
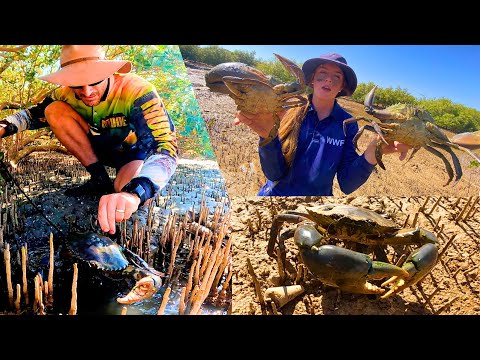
(85, 64)
(310, 65)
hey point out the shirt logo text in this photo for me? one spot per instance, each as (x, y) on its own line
(336, 142)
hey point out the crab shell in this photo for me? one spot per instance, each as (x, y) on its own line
(97, 250)
(350, 221)
(104, 254)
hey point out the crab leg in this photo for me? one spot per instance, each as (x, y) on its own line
(447, 164)
(299, 101)
(458, 147)
(236, 84)
(417, 236)
(456, 162)
(379, 155)
(414, 151)
(277, 225)
(360, 132)
(375, 126)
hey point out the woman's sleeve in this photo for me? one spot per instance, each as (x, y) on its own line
(272, 160)
(354, 169)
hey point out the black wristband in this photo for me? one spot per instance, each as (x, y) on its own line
(143, 187)
(10, 129)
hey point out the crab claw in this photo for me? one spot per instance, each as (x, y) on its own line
(469, 140)
(379, 114)
(418, 264)
(368, 103)
(214, 77)
(145, 288)
(348, 270)
(293, 69)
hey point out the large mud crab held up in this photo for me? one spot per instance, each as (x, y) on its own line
(412, 126)
(116, 262)
(254, 92)
(343, 267)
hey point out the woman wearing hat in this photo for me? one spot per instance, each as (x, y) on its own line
(105, 115)
(311, 147)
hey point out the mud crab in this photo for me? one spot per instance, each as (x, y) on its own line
(100, 252)
(412, 126)
(254, 92)
(344, 268)
(469, 140)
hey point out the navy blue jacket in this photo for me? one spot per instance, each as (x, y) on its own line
(323, 151)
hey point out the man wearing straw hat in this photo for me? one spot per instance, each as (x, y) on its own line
(106, 115)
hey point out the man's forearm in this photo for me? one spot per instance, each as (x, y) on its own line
(31, 118)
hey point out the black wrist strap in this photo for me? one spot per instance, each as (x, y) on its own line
(141, 186)
(10, 129)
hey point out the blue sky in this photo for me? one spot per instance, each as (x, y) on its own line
(431, 71)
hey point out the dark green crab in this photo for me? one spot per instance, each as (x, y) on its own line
(413, 126)
(350, 270)
(104, 254)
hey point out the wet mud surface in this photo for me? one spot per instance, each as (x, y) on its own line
(97, 291)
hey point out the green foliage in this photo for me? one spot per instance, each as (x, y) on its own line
(384, 96)
(162, 65)
(190, 52)
(246, 57)
(361, 91)
(451, 116)
(275, 69)
(214, 55)
(474, 164)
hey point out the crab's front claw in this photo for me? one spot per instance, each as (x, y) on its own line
(348, 270)
(214, 77)
(469, 140)
(145, 288)
(293, 69)
(418, 264)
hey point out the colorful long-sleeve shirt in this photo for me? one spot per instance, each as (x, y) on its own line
(323, 151)
(131, 119)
